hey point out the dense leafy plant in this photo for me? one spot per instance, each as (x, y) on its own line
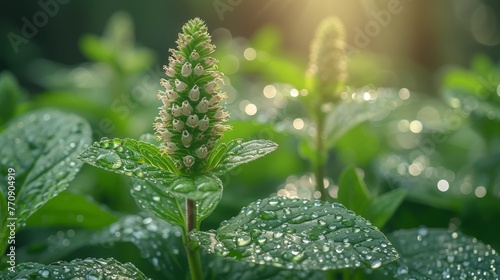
(176, 179)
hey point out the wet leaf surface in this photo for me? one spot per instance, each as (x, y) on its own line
(70, 209)
(357, 108)
(222, 268)
(131, 158)
(158, 241)
(299, 234)
(239, 152)
(90, 269)
(153, 196)
(41, 147)
(441, 254)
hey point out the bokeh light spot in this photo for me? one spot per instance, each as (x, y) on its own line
(480, 191)
(404, 125)
(251, 109)
(416, 126)
(404, 93)
(443, 185)
(415, 169)
(249, 54)
(269, 91)
(298, 124)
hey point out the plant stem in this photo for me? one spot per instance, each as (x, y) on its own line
(319, 166)
(330, 275)
(192, 253)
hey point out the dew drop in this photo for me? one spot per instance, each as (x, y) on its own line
(91, 276)
(243, 240)
(268, 215)
(422, 231)
(339, 249)
(375, 264)
(273, 202)
(278, 234)
(110, 160)
(261, 239)
(402, 270)
(349, 223)
(44, 273)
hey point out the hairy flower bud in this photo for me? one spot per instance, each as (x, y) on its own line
(328, 62)
(191, 119)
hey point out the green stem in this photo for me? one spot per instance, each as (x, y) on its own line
(319, 165)
(330, 275)
(192, 253)
(345, 274)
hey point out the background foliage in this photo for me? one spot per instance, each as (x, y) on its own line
(431, 133)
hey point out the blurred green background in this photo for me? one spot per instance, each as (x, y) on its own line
(102, 60)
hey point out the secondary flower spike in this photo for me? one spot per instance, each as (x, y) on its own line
(328, 62)
(191, 118)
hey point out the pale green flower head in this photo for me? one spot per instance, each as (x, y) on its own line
(191, 118)
(327, 71)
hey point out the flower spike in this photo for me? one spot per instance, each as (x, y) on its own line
(191, 120)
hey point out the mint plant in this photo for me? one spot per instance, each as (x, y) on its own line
(190, 156)
(175, 178)
(181, 184)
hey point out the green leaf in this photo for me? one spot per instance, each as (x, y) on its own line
(353, 192)
(441, 254)
(195, 188)
(221, 268)
(158, 241)
(9, 96)
(41, 147)
(299, 234)
(131, 158)
(70, 209)
(355, 110)
(473, 104)
(216, 156)
(383, 207)
(207, 205)
(153, 196)
(239, 152)
(169, 202)
(77, 269)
